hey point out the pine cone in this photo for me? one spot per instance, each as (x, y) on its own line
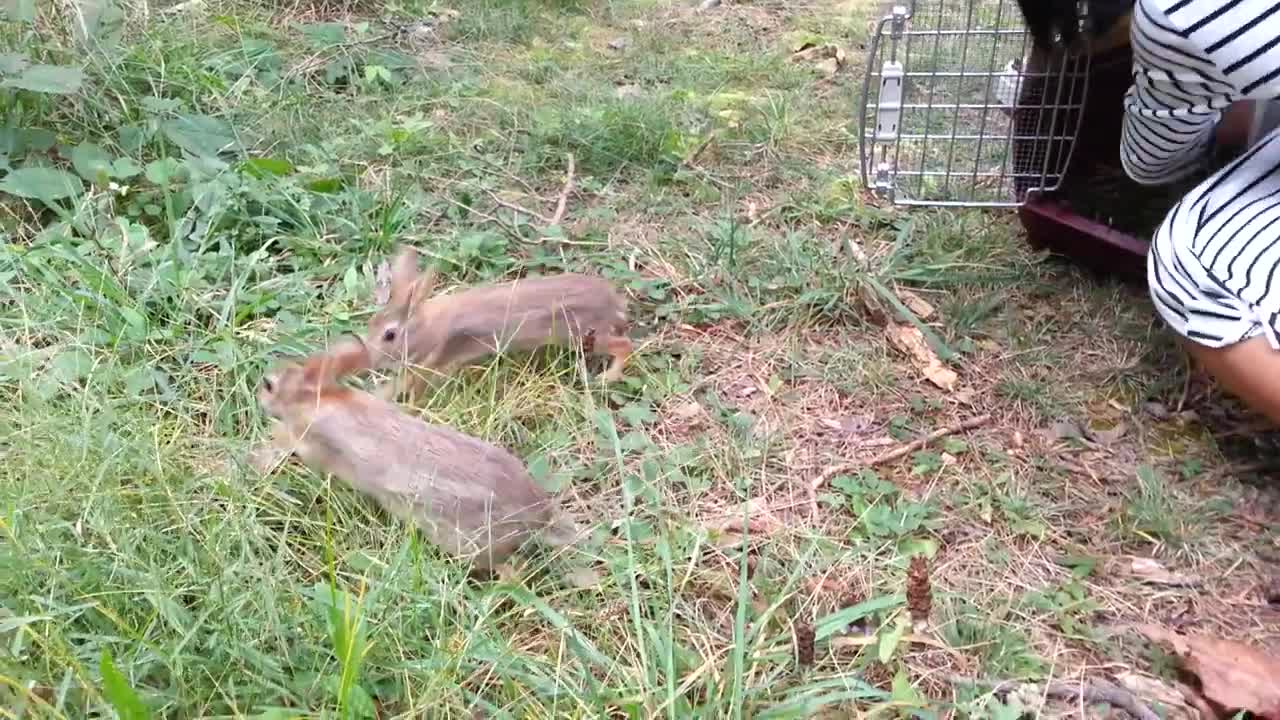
(804, 644)
(919, 594)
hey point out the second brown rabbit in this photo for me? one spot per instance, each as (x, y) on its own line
(473, 499)
(445, 332)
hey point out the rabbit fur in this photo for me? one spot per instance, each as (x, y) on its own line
(474, 500)
(445, 332)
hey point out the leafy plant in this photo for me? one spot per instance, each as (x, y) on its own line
(118, 691)
(345, 621)
(883, 512)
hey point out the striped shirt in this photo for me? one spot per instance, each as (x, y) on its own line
(1214, 265)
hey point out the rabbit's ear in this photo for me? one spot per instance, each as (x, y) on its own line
(424, 286)
(346, 356)
(404, 275)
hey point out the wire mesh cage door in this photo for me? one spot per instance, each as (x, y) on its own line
(958, 110)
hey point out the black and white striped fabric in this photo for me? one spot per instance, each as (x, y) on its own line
(1214, 264)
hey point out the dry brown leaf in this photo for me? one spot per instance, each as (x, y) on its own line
(1152, 571)
(910, 341)
(825, 584)
(827, 58)
(848, 424)
(916, 304)
(760, 519)
(1233, 676)
(828, 67)
(1152, 690)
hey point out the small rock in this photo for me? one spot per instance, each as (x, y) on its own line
(708, 4)
(829, 67)
(1066, 429)
(629, 91)
(619, 43)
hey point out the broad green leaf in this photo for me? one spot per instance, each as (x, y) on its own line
(99, 20)
(160, 106)
(637, 414)
(199, 134)
(125, 168)
(324, 35)
(119, 693)
(390, 59)
(889, 640)
(325, 185)
(89, 160)
(262, 167)
(56, 79)
(163, 170)
(132, 138)
(38, 139)
(43, 184)
(19, 10)
(377, 72)
(839, 620)
(903, 692)
(337, 69)
(17, 141)
(13, 63)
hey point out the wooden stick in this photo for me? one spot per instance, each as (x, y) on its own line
(563, 201)
(517, 208)
(1084, 691)
(903, 450)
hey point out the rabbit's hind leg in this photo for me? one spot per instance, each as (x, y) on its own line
(620, 348)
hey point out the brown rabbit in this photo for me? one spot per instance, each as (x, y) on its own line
(445, 332)
(474, 500)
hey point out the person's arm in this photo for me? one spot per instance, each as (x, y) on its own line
(1172, 107)
(1186, 71)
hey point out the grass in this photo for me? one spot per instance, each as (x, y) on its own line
(144, 569)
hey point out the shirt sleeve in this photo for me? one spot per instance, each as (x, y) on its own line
(1189, 64)
(1172, 107)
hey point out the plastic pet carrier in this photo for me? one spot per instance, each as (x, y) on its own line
(960, 110)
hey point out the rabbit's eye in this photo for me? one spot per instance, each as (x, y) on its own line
(389, 335)
(268, 385)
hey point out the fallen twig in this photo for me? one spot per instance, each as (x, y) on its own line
(693, 159)
(852, 642)
(1089, 692)
(563, 201)
(903, 450)
(518, 208)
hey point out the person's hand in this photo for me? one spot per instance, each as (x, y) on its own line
(1232, 132)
